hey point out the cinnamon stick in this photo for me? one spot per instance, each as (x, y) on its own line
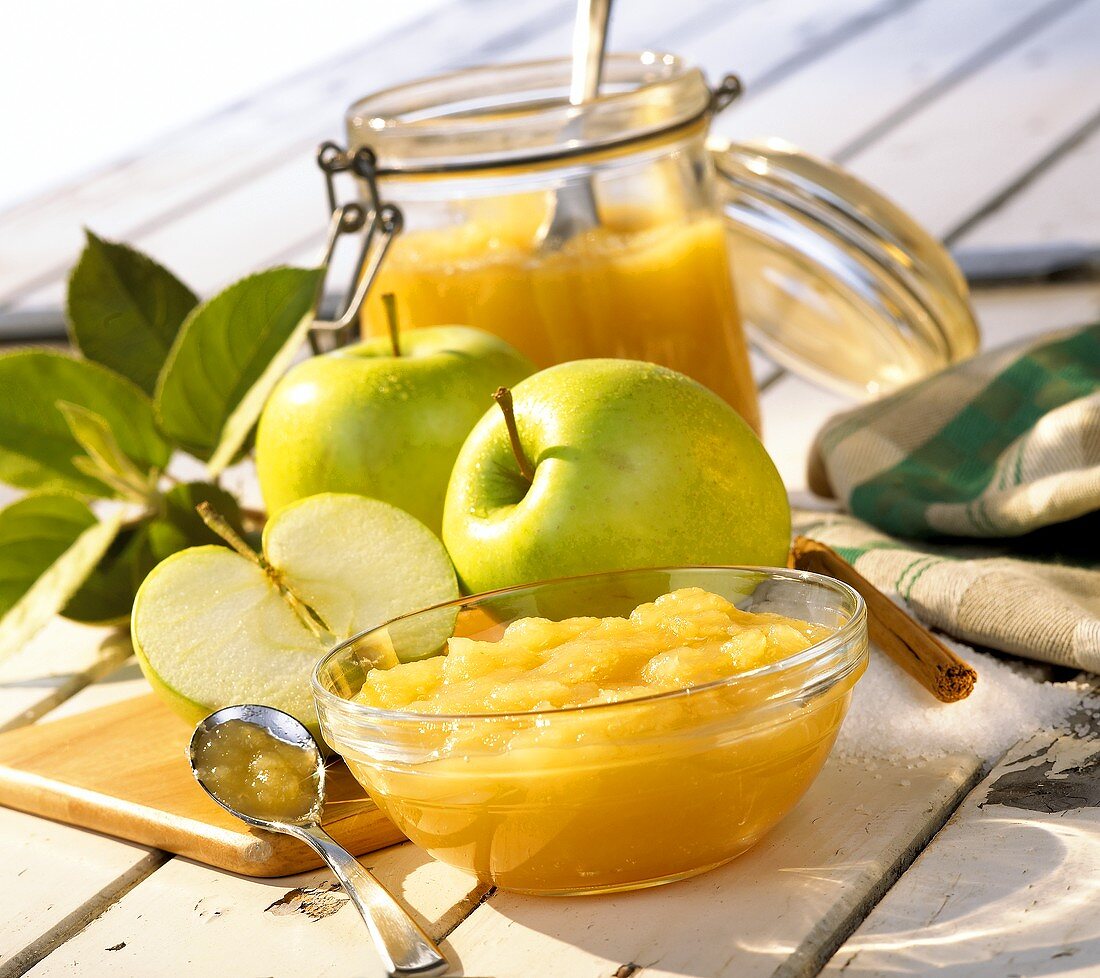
(905, 640)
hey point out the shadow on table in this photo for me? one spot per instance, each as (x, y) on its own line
(991, 917)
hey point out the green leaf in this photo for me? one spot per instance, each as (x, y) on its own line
(37, 447)
(224, 349)
(34, 532)
(238, 426)
(49, 544)
(108, 594)
(125, 310)
(105, 460)
(180, 526)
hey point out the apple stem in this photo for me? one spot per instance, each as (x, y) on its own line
(220, 525)
(503, 397)
(389, 300)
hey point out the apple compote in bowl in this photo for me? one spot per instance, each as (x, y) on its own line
(598, 733)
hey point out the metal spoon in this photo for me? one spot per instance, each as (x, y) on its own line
(575, 204)
(404, 948)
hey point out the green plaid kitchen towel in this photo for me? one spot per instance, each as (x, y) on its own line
(1004, 447)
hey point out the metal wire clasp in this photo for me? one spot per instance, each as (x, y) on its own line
(381, 221)
(728, 90)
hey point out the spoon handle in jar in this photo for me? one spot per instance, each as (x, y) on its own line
(589, 41)
(403, 946)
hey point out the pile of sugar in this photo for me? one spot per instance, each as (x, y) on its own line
(894, 719)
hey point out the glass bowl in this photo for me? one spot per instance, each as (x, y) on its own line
(612, 796)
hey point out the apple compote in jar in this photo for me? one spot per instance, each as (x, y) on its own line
(478, 161)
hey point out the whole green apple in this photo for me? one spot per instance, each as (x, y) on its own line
(367, 421)
(628, 464)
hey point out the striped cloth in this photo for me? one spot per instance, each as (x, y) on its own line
(1004, 448)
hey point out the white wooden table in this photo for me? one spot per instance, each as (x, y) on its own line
(983, 119)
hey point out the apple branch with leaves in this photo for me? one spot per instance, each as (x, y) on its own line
(91, 435)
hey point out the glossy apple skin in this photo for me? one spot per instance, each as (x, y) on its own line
(635, 466)
(361, 420)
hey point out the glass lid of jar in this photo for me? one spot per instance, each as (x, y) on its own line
(836, 282)
(501, 115)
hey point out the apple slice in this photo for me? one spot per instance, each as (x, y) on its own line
(214, 626)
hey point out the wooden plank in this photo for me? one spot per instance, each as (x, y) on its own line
(1060, 206)
(638, 26)
(878, 74)
(55, 878)
(125, 682)
(1007, 315)
(978, 136)
(55, 664)
(197, 922)
(39, 239)
(1009, 886)
(771, 41)
(778, 910)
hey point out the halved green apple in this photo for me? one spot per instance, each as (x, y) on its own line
(214, 626)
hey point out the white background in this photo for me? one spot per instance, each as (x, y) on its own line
(87, 82)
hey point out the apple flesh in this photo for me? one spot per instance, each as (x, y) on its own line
(635, 465)
(363, 420)
(213, 628)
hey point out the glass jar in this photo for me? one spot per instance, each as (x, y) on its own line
(478, 161)
(835, 281)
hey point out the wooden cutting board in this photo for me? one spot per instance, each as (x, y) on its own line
(122, 769)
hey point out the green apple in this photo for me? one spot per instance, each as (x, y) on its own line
(214, 626)
(365, 420)
(628, 465)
